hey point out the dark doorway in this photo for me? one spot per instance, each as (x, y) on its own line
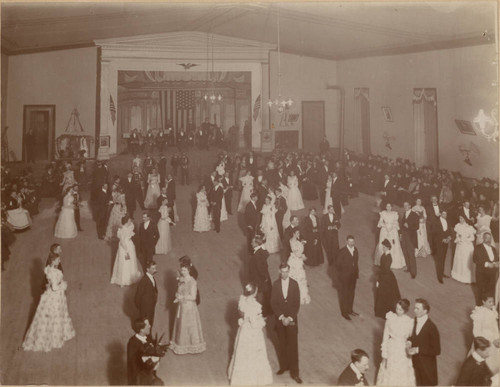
(313, 124)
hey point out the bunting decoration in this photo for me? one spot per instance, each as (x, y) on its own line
(112, 109)
(256, 108)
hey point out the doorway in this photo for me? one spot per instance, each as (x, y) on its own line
(313, 124)
(38, 132)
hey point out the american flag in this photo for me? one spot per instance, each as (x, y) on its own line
(112, 109)
(178, 108)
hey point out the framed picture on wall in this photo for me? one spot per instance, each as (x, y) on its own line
(39, 126)
(104, 141)
(465, 127)
(387, 113)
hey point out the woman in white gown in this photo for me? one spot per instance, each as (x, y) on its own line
(153, 189)
(296, 263)
(485, 324)
(202, 221)
(396, 368)
(126, 270)
(116, 215)
(249, 364)
(51, 326)
(463, 267)
(246, 190)
(482, 225)
(164, 243)
(328, 194)
(269, 226)
(389, 226)
(66, 225)
(294, 199)
(424, 248)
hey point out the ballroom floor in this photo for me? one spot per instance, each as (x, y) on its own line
(102, 312)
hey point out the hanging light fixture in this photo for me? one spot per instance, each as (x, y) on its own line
(281, 102)
(210, 95)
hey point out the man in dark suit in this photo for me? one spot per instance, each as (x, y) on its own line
(147, 293)
(103, 203)
(408, 227)
(252, 220)
(321, 179)
(162, 197)
(262, 193)
(389, 191)
(216, 197)
(348, 272)
(171, 194)
(133, 193)
(136, 347)
(147, 237)
(285, 301)
(281, 207)
(433, 211)
(466, 212)
(259, 273)
(330, 234)
(162, 167)
(474, 371)
(424, 345)
(76, 203)
(228, 192)
(337, 193)
(442, 234)
(354, 373)
(288, 233)
(485, 257)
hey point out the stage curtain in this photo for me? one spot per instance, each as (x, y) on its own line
(359, 136)
(425, 127)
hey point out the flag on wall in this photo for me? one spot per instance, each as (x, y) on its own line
(178, 108)
(256, 108)
(112, 109)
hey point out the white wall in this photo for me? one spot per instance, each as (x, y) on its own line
(65, 78)
(305, 79)
(463, 79)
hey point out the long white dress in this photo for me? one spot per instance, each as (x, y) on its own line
(294, 199)
(66, 225)
(297, 271)
(270, 228)
(463, 267)
(201, 218)
(51, 326)
(127, 269)
(153, 191)
(389, 226)
(164, 243)
(397, 370)
(482, 225)
(247, 184)
(249, 364)
(424, 249)
(118, 211)
(485, 324)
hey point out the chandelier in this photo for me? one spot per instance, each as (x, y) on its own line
(281, 103)
(210, 95)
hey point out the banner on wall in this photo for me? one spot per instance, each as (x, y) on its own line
(112, 109)
(256, 108)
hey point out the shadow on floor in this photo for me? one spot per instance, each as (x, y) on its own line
(38, 285)
(170, 283)
(232, 315)
(128, 307)
(117, 366)
(243, 254)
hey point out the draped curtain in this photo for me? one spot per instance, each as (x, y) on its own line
(425, 126)
(360, 135)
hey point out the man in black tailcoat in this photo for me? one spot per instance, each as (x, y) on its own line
(259, 273)
(76, 203)
(133, 193)
(287, 235)
(485, 257)
(337, 191)
(171, 195)
(285, 302)
(441, 234)
(146, 294)
(102, 208)
(408, 226)
(281, 207)
(252, 219)
(136, 347)
(330, 225)
(424, 345)
(147, 237)
(216, 197)
(228, 192)
(162, 168)
(354, 373)
(348, 273)
(474, 371)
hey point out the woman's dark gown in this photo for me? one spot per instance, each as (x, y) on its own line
(312, 249)
(387, 293)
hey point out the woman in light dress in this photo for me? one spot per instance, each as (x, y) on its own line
(483, 224)
(51, 326)
(164, 243)
(127, 269)
(396, 368)
(201, 217)
(424, 248)
(66, 225)
(463, 267)
(269, 226)
(17, 216)
(68, 178)
(485, 324)
(187, 336)
(153, 189)
(249, 364)
(118, 211)
(296, 263)
(246, 190)
(294, 199)
(328, 194)
(389, 227)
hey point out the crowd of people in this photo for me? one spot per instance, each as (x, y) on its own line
(440, 212)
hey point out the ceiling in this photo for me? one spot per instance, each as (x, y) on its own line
(331, 30)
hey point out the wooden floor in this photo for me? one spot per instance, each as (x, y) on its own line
(102, 312)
